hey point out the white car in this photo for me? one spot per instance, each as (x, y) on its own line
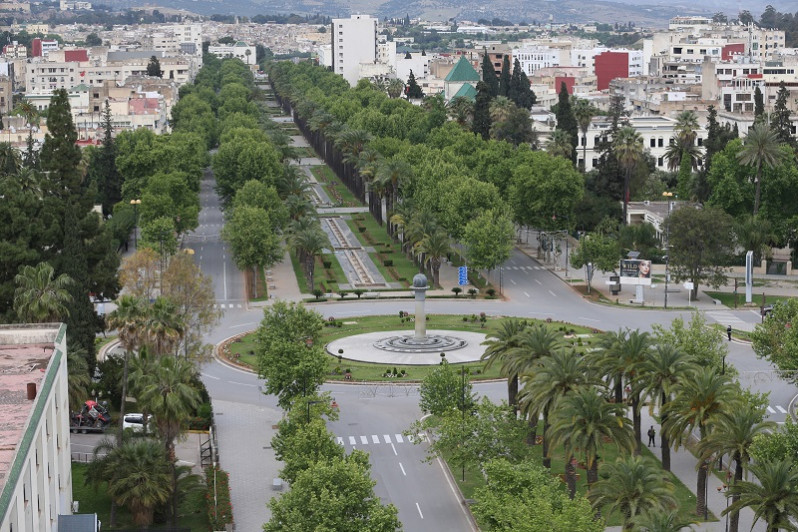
(135, 422)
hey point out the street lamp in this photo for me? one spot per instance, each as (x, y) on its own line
(724, 489)
(135, 203)
(667, 244)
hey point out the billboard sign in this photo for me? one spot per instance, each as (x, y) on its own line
(636, 268)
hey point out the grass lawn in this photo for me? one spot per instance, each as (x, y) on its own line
(370, 233)
(727, 298)
(684, 497)
(246, 347)
(326, 279)
(192, 513)
(339, 194)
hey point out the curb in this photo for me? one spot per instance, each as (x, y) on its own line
(102, 353)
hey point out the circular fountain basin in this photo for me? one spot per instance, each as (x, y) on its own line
(400, 347)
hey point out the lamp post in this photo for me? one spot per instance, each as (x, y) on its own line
(462, 408)
(724, 489)
(308, 405)
(135, 203)
(667, 243)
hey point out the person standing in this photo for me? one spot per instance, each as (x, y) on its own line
(728, 332)
(651, 434)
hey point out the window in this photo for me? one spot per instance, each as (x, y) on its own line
(660, 142)
(652, 142)
(661, 161)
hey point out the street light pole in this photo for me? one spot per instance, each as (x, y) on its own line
(135, 203)
(667, 245)
(462, 408)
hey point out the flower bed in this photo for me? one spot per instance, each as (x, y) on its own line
(220, 514)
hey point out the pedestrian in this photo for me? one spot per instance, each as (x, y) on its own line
(651, 434)
(728, 332)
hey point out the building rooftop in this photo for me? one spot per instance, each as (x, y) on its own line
(466, 91)
(462, 71)
(25, 353)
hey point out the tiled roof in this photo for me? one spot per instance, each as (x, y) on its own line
(462, 71)
(466, 91)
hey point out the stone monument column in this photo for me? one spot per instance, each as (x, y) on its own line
(420, 288)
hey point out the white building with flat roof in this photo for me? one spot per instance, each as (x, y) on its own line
(354, 41)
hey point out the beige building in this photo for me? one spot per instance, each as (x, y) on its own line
(35, 464)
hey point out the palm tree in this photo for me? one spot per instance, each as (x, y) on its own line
(660, 521)
(583, 420)
(10, 162)
(632, 352)
(696, 402)
(663, 368)
(129, 319)
(632, 486)
(167, 393)
(461, 110)
(395, 88)
(628, 148)
(78, 380)
(558, 374)
(393, 173)
(733, 433)
(137, 476)
(435, 246)
(39, 297)
(606, 363)
(774, 497)
(761, 148)
(292, 181)
(754, 233)
(500, 346)
(501, 108)
(164, 327)
(676, 151)
(308, 244)
(559, 144)
(584, 113)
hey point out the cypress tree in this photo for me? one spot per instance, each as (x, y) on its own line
(60, 156)
(505, 78)
(565, 118)
(759, 105)
(528, 98)
(154, 68)
(780, 119)
(481, 122)
(111, 191)
(413, 89)
(489, 74)
(515, 91)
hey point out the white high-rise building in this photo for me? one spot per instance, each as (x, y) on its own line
(354, 41)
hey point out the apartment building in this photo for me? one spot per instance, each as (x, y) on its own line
(354, 41)
(239, 50)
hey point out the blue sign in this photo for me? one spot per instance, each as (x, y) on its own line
(462, 275)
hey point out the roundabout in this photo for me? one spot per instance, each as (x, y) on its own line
(364, 348)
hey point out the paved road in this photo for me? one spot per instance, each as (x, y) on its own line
(245, 416)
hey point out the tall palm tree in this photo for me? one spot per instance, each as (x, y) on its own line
(632, 352)
(129, 319)
(78, 380)
(660, 521)
(663, 369)
(558, 374)
(754, 233)
(696, 402)
(676, 151)
(773, 497)
(761, 149)
(632, 486)
(583, 420)
(536, 342)
(501, 108)
(164, 327)
(628, 148)
(686, 126)
(136, 476)
(733, 433)
(500, 346)
(461, 110)
(292, 181)
(559, 144)
(39, 296)
(584, 113)
(308, 244)
(393, 173)
(167, 393)
(395, 88)
(606, 363)
(435, 246)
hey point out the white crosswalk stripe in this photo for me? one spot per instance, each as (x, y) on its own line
(725, 317)
(771, 411)
(375, 438)
(364, 440)
(340, 440)
(398, 438)
(781, 409)
(351, 440)
(387, 438)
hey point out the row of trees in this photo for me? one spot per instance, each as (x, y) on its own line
(680, 372)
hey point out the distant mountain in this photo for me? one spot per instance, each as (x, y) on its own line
(642, 12)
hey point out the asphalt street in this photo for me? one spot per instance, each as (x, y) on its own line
(373, 418)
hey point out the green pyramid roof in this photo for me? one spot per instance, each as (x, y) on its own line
(462, 71)
(466, 91)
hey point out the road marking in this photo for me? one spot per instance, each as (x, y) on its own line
(419, 511)
(387, 438)
(210, 376)
(340, 441)
(243, 324)
(403, 469)
(411, 438)
(364, 440)
(224, 277)
(394, 450)
(588, 319)
(513, 281)
(242, 383)
(398, 438)
(538, 281)
(527, 294)
(352, 440)
(375, 438)
(781, 409)
(771, 411)
(552, 293)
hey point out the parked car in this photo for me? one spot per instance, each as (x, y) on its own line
(135, 421)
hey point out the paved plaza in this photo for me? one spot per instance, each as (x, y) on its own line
(361, 348)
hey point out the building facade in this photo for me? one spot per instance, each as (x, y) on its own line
(354, 41)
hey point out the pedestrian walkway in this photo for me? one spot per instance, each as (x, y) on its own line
(376, 439)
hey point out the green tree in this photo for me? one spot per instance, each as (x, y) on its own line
(160, 235)
(599, 250)
(701, 245)
(660, 521)
(780, 121)
(703, 345)
(559, 145)
(413, 89)
(760, 150)
(628, 148)
(505, 77)
(773, 498)
(501, 347)
(395, 88)
(136, 476)
(488, 239)
(775, 339)
(759, 106)
(252, 239)
(481, 123)
(632, 486)
(435, 246)
(524, 497)
(565, 118)
(337, 495)
(60, 155)
(696, 402)
(78, 379)
(301, 446)
(444, 390)
(584, 113)
(41, 297)
(780, 444)
(102, 166)
(489, 74)
(154, 68)
(733, 433)
(163, 327)
(461, 110)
